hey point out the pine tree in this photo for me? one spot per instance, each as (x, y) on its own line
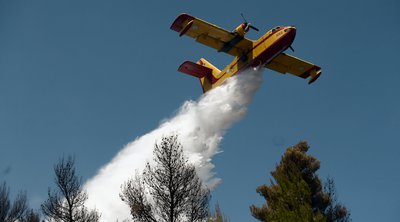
(218, 216)
(296, 193)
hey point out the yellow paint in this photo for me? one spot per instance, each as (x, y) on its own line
(216, 37)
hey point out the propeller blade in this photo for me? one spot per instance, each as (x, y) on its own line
(248, 25)
(254, 28)
(244, 19)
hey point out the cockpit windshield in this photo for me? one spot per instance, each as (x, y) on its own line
(276, 28)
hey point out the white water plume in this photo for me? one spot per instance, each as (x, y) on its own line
(200, 126)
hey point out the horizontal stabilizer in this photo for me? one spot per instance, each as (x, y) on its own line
(194, 69)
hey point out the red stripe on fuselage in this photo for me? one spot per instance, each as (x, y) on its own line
(272, 33)
(275, 49)
(267, 54)
(283, 46)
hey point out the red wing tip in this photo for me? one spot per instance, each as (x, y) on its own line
(313, 79)
(185, 63)
(177, 25)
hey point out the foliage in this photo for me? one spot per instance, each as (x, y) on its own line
(170, 190)
(218, 216)
(15, 211)
(18, 210)
(296, 193)
(31, 216)
(66, 204)
(335, 212)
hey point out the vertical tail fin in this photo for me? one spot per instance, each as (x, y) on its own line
(206, 83)
(203, 70)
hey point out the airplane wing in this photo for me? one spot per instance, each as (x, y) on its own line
(284, 63)
(211, 35)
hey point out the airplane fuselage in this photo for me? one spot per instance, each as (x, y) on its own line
(267, 51)
(266, 48)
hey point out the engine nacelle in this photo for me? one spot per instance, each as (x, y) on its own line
(242, 29)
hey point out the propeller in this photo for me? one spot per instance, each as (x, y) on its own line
(248, 25)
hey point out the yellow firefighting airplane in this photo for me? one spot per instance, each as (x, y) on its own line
(266, 51)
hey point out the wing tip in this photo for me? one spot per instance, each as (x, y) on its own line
(177, 25)
(315, 74)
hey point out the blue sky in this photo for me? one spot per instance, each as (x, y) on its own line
(87, 77)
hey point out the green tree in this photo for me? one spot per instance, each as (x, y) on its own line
(335, 212)
(66, 204)
(296, 193)
(218, 216)
(176, 192)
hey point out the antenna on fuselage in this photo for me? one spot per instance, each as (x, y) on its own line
(248, 25)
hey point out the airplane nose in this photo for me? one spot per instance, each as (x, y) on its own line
(292, 29)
